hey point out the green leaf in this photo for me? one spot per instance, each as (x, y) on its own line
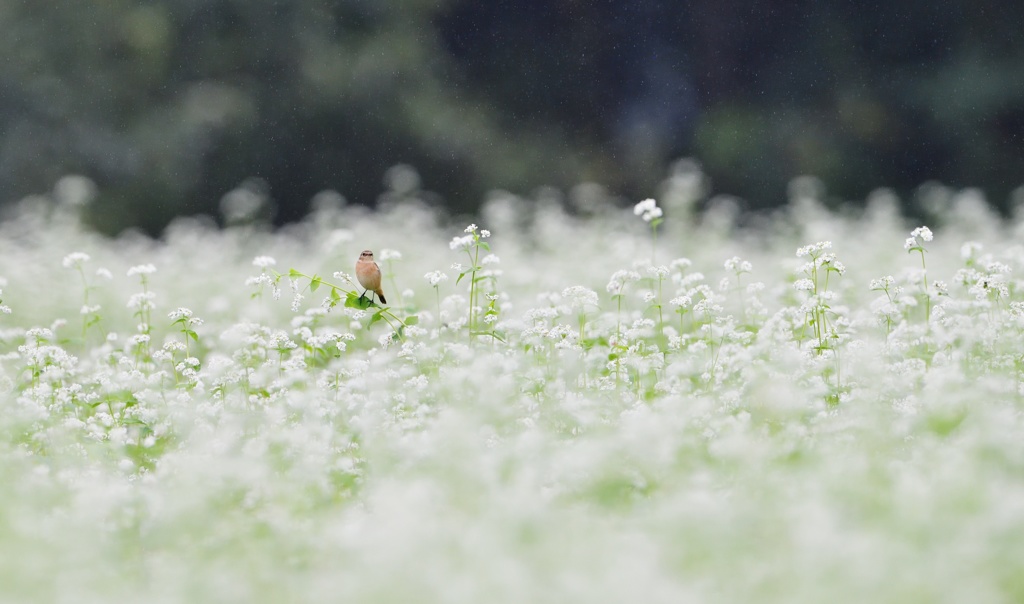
(354, 301)
(294, 273)
(484, 245)
(192, 334)
(314, 284)
(335, 296)
(412, 320)
(461, 275)
(376, 317)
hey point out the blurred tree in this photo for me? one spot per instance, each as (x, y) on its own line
(169, 104)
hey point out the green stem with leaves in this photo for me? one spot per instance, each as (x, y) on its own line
(927, 297)
(353, 300)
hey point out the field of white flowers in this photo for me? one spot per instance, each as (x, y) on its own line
(602, 404)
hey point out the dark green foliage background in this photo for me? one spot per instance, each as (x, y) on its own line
(168, 104)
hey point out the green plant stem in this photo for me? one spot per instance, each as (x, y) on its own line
(661, 318)
(618, 337)
(385, 312)
(437, 295)
(472, 288)
(85, 299)
(927, 296)
(654, 244)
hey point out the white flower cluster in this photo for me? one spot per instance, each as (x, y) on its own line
(141, 269)
(435, 278)
(461, 243)
(619, 280)
(580, 297)
(648, 210)
(738, 265)
(75, 260)
(813, 250)
(911, 243)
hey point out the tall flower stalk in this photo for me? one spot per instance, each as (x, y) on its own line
(471, 243)
(648, 210)
(912, 245)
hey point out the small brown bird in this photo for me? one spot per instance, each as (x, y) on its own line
(368, 274)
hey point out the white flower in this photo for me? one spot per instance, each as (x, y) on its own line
(923, 232)
(814, 249)
(648, 209)
(620, 279)
(180, 313)
(75, 259)
(435, 278)
(681, 264)
(470, 229)
(38, 333)
(263, 279)
(141, 269)
(910, 243)
(484, 233)
(386, 254)
(644, 206)
(263, 262)
(174, 346)
(998, 268)
(540, 314)
(707, 306)
(738, 265)
(461, 243)
(804, 285)
(580, 297)
(883, 283)
(141, 301)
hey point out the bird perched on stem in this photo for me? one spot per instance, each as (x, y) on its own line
(368, 274)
